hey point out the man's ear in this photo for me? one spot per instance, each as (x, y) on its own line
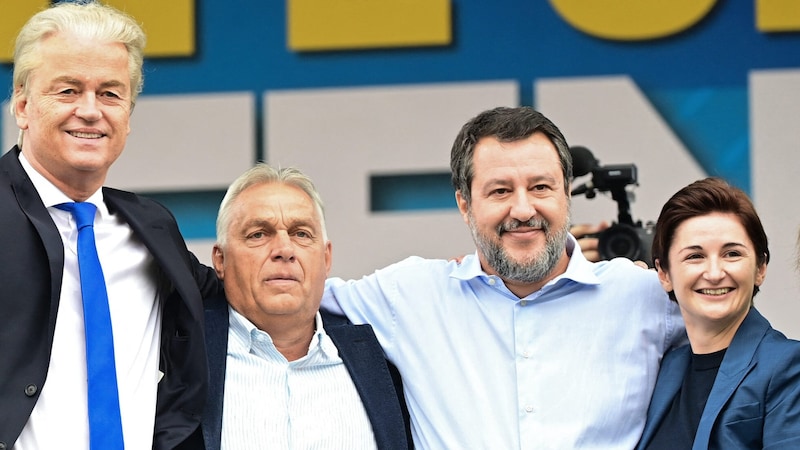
(20, 100)
(218, 260)
(463, 206)
(328, 258)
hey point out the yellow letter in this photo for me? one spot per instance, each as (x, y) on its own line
(632, 20)
(777, 15)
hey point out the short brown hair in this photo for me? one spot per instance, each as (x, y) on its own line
(701, 198)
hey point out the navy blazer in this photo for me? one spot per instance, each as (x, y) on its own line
(31, 268)
(755, 399)
(378, 383)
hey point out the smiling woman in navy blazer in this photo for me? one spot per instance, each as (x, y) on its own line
(737, 384)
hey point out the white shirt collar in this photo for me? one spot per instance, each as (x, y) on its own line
(51, 195)
(578, 268)
(252, 339)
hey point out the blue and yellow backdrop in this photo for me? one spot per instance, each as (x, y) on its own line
(367, 96)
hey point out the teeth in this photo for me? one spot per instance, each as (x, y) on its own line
(720, 291)
(86, 135)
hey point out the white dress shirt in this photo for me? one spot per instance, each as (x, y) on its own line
(60, 416)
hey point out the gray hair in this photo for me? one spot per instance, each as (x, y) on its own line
(263, 173)
(86, 18)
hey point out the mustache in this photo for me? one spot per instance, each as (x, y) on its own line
(514, 224)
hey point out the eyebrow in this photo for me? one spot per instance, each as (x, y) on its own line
(300, 223)
(75, 82)
(267, 223)
(724, 246)
(531, 180)
(113, 83)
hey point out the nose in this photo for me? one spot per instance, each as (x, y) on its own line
(87, 108)
(715, 270)
(282, 249)
(522, 208)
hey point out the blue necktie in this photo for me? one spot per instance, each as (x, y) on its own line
(105, 423)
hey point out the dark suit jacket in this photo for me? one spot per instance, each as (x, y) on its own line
(31, 267)
(755, 400)
(378, 383)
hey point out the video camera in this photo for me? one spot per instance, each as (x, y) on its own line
(625, 237)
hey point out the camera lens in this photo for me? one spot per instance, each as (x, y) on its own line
(619, 240)
(622, 245)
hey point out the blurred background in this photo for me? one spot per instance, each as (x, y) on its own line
(367, 97)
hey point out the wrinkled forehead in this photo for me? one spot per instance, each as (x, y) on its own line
(277, 202)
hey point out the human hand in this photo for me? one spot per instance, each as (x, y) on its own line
(586, 234)
(457, 259)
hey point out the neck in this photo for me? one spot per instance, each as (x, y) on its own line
(78, 186)
(710, 337)
(523, 289)
(77, 194)
(291, 339)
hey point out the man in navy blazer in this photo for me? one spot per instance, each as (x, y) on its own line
(759, 377)
(377, 381)
(281, 371)
(77, 73)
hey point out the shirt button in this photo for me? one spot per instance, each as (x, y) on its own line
(526, 355)
(2, 446)
(491, 282)
(30, 390)
(529, 408)
(523, 302)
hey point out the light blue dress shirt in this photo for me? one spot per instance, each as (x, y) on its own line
(572, 365)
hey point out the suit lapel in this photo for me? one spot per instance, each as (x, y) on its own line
(670, 377)
(364, 359)
(31, 205)
(738, 362)
(216, 317)
(156, 236)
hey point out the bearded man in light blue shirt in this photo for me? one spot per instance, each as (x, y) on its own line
(524, 344)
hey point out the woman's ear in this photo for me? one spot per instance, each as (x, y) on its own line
(663, 277)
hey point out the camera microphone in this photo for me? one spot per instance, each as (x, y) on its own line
(583, 163)
(625, 237)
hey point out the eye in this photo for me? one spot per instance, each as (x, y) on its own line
(694, 256)
(67, 91)
(499, 191)
(257, 235)
(110, 94)
(733, 254)
(303, 234)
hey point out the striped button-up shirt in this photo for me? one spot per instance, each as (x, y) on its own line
(270, 402)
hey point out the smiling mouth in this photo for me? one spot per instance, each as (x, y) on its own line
(520, 232)
(720, 291)
(79, 134)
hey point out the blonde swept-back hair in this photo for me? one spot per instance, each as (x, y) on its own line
(263, 173)
(86, 18)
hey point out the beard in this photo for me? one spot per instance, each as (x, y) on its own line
(537, 267)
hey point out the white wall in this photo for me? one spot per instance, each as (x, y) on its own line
(341, 136)
(775, 165)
